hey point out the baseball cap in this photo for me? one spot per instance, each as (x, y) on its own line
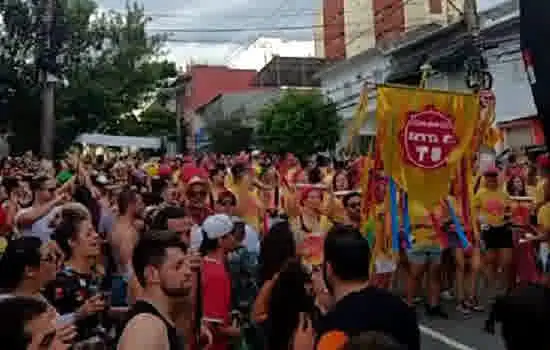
(217, 226)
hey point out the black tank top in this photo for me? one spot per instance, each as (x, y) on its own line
(175, 341)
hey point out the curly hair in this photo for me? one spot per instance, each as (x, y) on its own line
(67, 225)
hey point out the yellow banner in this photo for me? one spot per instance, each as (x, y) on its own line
(424, 135)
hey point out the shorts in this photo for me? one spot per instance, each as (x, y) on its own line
(498, 237)
(424, 255)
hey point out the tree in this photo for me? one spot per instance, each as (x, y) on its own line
(154, 121)
(228, 136)
(301, 122)
(111, 64)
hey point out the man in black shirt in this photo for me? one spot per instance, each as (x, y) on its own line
(359, 308)
(163, 271)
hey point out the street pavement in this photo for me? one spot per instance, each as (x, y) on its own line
(457, 333)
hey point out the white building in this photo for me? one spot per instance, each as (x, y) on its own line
(344, 81)
(444, 48)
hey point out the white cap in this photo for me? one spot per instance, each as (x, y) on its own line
(217, 226)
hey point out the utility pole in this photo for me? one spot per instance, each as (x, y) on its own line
(48, 85)
(477, 78)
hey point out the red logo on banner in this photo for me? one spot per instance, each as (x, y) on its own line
(428, 138)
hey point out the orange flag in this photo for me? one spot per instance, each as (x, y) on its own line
(426, 133)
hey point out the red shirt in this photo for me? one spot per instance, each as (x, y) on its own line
(3, 221)
(216, 298)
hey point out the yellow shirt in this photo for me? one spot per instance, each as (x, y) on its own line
(491, 206)
(300, 231)
(543, 218)
(422, 231)
(539, 192)
(3, 244)
(334, 208)
(247, 203)
(382, 239)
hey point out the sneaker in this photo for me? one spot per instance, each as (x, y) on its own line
(464, 309)
(436, 312)
(447, 295)
(474, 305)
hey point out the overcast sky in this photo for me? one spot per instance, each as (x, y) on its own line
(207, 44)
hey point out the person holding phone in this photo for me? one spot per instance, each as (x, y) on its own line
(76, 288)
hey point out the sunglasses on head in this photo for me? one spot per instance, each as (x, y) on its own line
(51, 258)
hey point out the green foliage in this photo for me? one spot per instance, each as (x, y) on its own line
(228, 136)
(155, 121)
(111, 64)
(302, 122)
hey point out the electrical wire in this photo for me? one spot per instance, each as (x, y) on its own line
(232, 54)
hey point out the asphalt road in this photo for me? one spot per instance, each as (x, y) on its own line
(457, 333)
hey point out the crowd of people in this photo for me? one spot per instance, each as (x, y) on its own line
(258, 251)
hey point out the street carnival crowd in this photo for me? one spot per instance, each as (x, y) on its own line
(260, 251)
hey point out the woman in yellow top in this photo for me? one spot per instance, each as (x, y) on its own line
(270, 195)
(309, 220)
(425, 257)
(340, 186)
(249, 207)
(491, 204)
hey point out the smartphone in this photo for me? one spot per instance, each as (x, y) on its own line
(66, 319)
(106, 296)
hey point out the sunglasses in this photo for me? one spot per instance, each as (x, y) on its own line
(354, 205)
(197, 194)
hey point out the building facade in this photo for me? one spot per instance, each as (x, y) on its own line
(346, 28)
(243, 105)
(200, 84)
(345, 81)
(444, 48)
(289, 72)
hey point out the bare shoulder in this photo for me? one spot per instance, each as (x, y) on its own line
(144, 331)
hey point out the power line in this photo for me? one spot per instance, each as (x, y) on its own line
(236, 30)
(238, 50)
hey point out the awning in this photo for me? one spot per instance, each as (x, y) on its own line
(120, 141)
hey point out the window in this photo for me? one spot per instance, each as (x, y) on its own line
(347, 89)
(519, 136)
(436, 6)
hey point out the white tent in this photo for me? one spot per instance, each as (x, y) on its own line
(120, 141)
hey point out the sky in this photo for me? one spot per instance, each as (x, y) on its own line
(217, 31)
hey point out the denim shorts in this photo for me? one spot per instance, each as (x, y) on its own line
(423, 255)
